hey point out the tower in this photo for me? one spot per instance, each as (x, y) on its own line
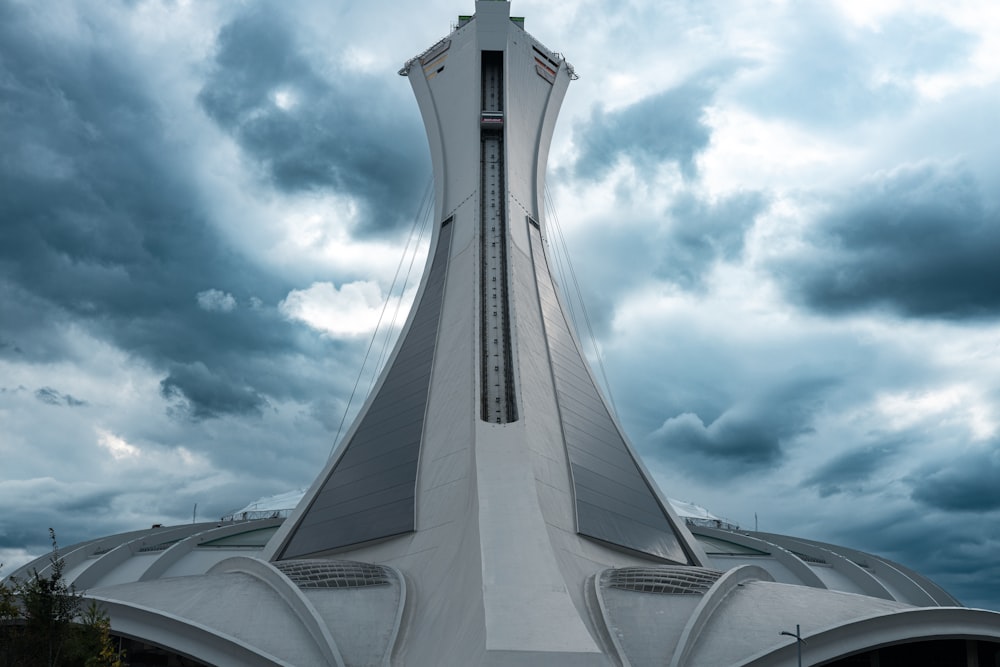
(486, 465)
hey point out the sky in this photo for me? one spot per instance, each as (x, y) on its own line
(784, 218)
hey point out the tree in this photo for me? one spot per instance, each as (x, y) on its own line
(10, 614)
(49, 608)
(101, 645)
(41, 622)
(9, 610)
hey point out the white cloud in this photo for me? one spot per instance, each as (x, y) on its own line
(748, 151)
(285, 99)
(957, 406)
(117, 446)
(353, 309)
(214, 300)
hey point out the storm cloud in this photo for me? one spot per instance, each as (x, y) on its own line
(665, 127)
(852, 470)
(704, 232)
(103, 228)
(50, 396)
(208, 394)
(314, 129)
(964, 483)
(918, 240)
(744, 438)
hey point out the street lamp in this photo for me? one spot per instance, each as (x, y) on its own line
(798, 640)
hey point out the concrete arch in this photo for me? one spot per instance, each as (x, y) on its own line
(711, 601)
(883, 630)
(940, 595)
(170, 631)
(863, 579)
(78, 553)
(307, 614)
(797, 566)
(107, 562)
(177, 551)
(918, 590)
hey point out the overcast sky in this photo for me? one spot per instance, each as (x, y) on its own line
(785, 218)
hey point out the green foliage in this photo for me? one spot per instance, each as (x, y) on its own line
(9, 610)
(49, 607)
(41, 623)
(102, 649)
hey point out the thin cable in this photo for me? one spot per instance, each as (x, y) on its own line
(561, 239)
(371, 342)
(423, 219)
(559, 257)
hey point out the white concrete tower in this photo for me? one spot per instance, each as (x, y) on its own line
(486, 466)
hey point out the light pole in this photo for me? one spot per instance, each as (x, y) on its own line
(798, 640)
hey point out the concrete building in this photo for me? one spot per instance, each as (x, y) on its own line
(486, 507)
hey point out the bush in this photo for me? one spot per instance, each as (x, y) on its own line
(41, 623)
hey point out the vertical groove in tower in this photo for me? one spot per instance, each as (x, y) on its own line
(498, 400)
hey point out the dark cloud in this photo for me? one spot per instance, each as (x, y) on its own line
(207, 394)
(969, 483)
(313, 128)
(32, 327)
(918, 240)
(665, 127)
(82, 510)
(852, 469)
(72, 509)
(50, 396)
(737, 436)
(104, 232)
(47, 395)
(704, 232)
(744, 438)
(87, 502)
(93, 219)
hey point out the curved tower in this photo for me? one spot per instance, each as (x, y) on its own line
(486, 463)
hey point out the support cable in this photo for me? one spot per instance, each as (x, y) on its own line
(412, 242)
(423, 219)
(563, 250)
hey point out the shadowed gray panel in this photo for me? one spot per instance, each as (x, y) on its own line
(614, 502)
(369, 494)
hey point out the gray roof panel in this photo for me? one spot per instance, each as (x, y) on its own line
(369, 493)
